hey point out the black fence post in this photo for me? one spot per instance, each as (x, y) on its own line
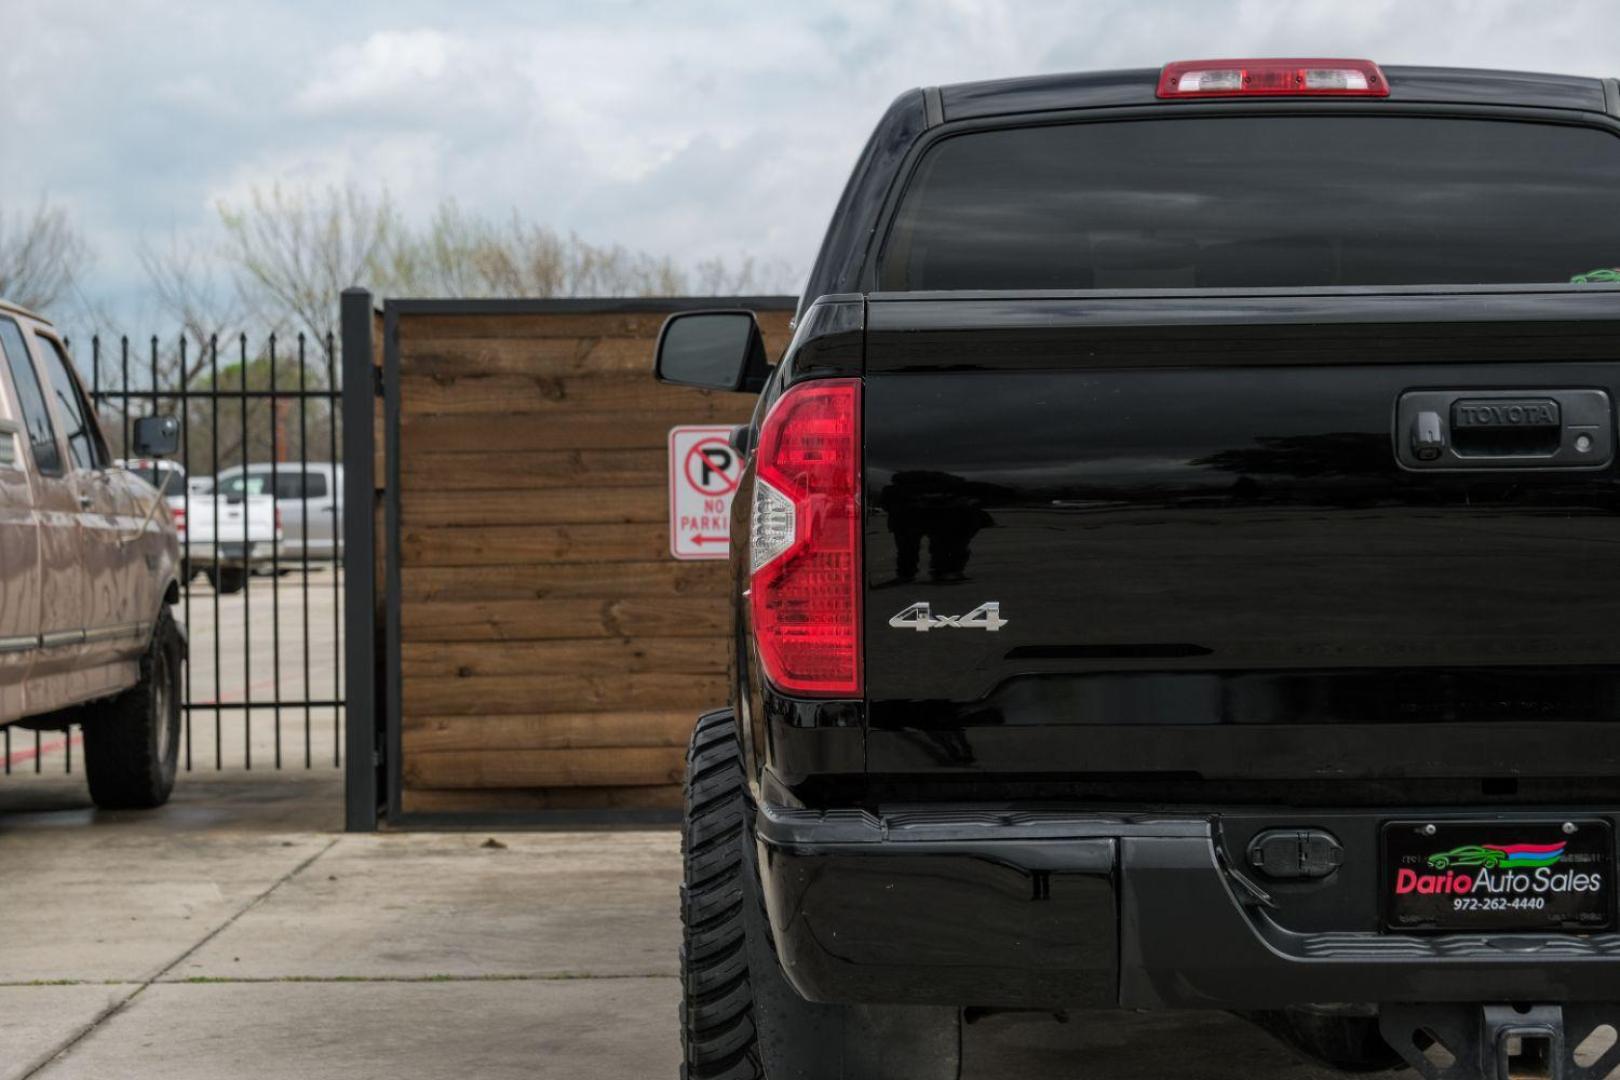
(362, 714)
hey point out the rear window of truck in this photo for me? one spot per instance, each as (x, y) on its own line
(1253, 202)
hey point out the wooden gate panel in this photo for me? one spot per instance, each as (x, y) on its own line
(552, 655)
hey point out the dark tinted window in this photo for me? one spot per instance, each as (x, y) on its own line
(31, 400)
(290, 483)
(1255, 202)
(84, 444)
(300, 485)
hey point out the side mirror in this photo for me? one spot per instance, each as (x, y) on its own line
(715, 350)
(155, 436)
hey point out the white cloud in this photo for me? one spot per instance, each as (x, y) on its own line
(388, 66)
(691, 129)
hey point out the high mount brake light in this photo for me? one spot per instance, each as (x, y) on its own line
(805, 540)
(1262, 78)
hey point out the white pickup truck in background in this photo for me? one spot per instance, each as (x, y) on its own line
(223, 537)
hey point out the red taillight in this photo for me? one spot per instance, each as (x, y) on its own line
(179, 513)
(1237, 78)
(805, 542)
(278, 519)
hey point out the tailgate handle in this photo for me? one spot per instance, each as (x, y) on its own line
(1504, 429)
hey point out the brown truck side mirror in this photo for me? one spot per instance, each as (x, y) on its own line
(155, 436)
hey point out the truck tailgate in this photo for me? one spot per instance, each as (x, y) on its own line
(1207, 559)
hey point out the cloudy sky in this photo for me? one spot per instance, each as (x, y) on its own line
(692, 129)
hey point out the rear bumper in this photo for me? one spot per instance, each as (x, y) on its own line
(1046, 910)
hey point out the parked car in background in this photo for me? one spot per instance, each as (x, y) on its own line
(309, 496)
(89, 569)
(226, 537)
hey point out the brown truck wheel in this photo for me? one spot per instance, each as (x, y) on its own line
(132, 741)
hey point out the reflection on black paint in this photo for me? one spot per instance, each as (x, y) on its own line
(937, 731)
(1213, 546)
(1338, 453)
(942, 509)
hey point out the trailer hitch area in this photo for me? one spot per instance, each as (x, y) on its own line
(1505, 1042)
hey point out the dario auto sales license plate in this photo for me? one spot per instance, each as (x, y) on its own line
(1498, 875)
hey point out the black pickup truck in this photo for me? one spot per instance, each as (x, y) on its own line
(1178, 566)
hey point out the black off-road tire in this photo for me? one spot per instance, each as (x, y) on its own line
(740, 1017)
(132, 741)
(227, 579)
(718, 1037)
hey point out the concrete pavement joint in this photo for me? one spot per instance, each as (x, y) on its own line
(121, 1004)
(27, 983)
(231, 980)
(564, 976)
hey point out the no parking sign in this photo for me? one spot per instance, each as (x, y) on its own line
(703, 475)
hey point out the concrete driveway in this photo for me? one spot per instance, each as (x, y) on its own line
(236, 933)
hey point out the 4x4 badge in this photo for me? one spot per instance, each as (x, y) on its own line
(921, 617)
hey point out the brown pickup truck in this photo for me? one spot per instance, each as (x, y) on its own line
(88, 571)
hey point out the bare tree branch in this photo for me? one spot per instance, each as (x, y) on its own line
(41, 255)
(185, 282)
(294, 252)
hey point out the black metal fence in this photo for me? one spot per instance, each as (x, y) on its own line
(264, 686)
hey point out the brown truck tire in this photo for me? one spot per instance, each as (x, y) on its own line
(132, 741)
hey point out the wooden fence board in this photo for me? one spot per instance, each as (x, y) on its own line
(564, 693)
(523, 470)
(545, 356)
(550, 731)
(596, 767)
(635, 542)
(555, 395)
(564, 617)
(568, 656)
(491, 433)
(555, 506)
(419, 800)
(539, 581)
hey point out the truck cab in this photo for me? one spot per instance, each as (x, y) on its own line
(1178, 574)
(88, 571)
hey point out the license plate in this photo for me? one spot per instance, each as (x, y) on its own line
(1498, 875)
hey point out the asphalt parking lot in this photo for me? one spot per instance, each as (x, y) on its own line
(236, 933)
